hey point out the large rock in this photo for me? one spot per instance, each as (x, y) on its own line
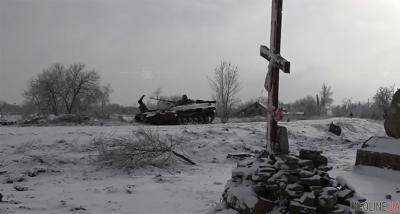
(392, 120)
(315, 156)
(308, 199)
(240, 197)
(243, 199)
(297, 208)
(335, 129)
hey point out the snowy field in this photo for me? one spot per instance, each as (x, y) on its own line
(72, 181)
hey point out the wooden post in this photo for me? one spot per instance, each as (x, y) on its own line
(273, 69)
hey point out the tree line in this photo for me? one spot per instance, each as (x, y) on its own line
(225, 85)
(66, 89)
(76, 89)
(322, 104)
(375, 108)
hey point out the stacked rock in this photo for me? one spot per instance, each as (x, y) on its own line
(286, 184)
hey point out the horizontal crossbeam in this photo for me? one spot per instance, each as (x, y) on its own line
(282, 63)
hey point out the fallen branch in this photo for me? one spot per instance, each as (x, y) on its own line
(183, 157)
(239, 156)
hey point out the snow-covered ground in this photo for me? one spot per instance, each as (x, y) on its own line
(74, 182)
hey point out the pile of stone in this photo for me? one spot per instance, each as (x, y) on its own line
(286, 184)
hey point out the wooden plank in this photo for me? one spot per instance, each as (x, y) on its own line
(282, 63)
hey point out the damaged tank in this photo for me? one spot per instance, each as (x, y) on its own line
(184, 111)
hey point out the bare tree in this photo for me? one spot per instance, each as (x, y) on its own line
(318, 105)
(104, 97)
(61, 89)
(45, 90)
(78, 83)
(32, 95)
(308, 105)
(325, 98)
(382, 99)
(225, 85)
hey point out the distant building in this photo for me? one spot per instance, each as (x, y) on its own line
(255, 109)
(258, 109)
(289, 116)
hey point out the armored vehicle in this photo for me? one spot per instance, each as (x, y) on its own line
(183, 111)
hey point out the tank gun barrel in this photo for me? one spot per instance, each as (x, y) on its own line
(169, 101)
(205, 101)
(175, 102)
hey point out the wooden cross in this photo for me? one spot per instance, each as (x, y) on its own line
(276, 63)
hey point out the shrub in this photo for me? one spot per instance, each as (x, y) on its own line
(142, 147)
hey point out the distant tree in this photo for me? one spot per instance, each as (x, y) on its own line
(365, 109)
(9, 108)
(80, 87)
(225, 85)
(347, 108)
(382, 99)
(308, 105)
(337, 111)
(356, 109)
(120, 109)
(46, 88)
(104, 98)
(64, 89)
(318, 105)
(325, 96)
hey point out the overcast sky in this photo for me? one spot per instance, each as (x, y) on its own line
(137, 46)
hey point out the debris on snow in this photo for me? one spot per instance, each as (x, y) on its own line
(335, 129)
(20, 188)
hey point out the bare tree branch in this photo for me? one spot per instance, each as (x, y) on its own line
(225, 85)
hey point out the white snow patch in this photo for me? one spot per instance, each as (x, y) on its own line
(74, 179)
(383, 145)
(372, 182)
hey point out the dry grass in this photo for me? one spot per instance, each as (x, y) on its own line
(142, 147)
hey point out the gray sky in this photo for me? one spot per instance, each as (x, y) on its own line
(137, 46)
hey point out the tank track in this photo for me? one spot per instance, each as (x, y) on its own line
(196, 116)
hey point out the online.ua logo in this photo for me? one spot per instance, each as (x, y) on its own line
(376, 206)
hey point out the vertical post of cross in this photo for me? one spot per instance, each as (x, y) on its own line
(276, 63)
